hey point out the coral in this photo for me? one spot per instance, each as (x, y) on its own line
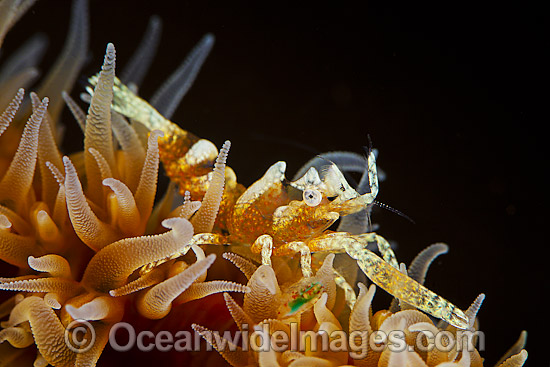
(314, 336)
(82, 225)
(89, 243)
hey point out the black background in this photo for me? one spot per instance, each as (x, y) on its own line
(448, 94)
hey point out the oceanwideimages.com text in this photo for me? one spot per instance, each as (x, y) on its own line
(123, 337)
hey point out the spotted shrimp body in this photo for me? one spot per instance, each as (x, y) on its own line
(278, 217)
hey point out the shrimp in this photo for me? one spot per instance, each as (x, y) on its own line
(278, 217)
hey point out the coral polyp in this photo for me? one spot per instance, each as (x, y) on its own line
(92, 238)
(93, 217)
(303, 311)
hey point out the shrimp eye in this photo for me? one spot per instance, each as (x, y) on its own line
(312, 197)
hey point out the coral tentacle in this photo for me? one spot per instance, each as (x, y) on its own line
(127, 213)
(56, 285)
(16, 336)
(150, 278)
(133, 152)
(17, 181)
(147, 187)
(100, 308)
(55, 265)
(157, 301)
(239, 315)
(233, 354)
(9, 113)
(47, 330)
(111, 266)
(262, 300)
(68, 65)
(89, 228)
(78, 113)
(244, 265)
(204, 218)
(98, 132)
(15, 249)
(10, 12)
(102, 165)
(420, 264)
(202, 289)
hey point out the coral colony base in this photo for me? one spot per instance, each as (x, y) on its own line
(88, 240)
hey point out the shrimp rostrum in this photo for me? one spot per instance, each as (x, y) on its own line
(275, 216)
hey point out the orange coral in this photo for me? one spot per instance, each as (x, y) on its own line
(87, 240)
(54, 228)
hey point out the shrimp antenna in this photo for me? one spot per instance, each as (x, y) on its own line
(393, 210)
(368, 148)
